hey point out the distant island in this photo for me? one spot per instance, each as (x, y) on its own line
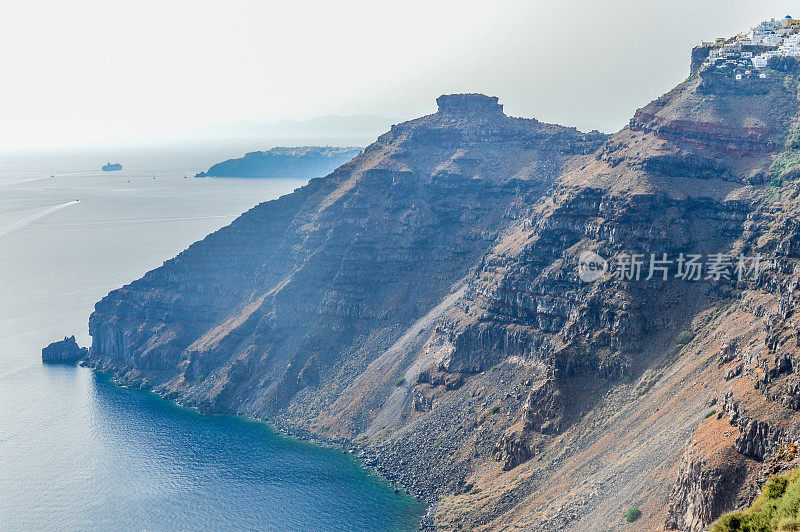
(110, 167)
(301, 161)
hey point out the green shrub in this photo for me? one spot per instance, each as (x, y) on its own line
(793, 140)
(740, 522)
(495, 409)
(399, 382)
(787, 163)
(627, 379)
(684, 337)
(711, 413)
(633, 514)
(776, 510)
(786, 524)
(789, 505)
(775, 488)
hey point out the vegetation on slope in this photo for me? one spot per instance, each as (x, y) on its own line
(787, 164)
(633, 514)
(776, 509)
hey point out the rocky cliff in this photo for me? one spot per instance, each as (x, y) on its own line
(64, 351)
(423, 303)
(286, 305)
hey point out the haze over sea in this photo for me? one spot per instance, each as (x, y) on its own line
(77, 452)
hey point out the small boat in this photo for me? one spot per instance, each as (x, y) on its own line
(110, 167)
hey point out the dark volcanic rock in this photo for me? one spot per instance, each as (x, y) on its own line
(702, 493)
(303, 292)
(699, 54)
(468, 103)
(65, 351)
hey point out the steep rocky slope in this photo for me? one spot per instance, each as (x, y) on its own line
(423, 303)
(602, 429)
(301, 293)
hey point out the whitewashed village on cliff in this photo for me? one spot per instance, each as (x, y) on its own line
(748, 54)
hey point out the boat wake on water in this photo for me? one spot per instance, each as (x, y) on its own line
(25, 222)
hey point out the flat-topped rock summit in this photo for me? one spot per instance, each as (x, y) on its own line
(469, 103)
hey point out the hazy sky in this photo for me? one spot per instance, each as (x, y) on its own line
(99, 72)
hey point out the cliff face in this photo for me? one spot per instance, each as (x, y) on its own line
(304, 291)
(423, 302)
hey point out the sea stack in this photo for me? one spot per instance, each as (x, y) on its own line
(65, 351)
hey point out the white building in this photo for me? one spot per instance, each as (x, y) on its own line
(760, 61)
(783, 35)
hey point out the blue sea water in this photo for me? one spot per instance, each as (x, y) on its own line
(78, 453)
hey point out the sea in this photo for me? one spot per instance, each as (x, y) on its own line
(77, 452)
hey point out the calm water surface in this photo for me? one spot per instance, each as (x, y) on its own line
(77, 452)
